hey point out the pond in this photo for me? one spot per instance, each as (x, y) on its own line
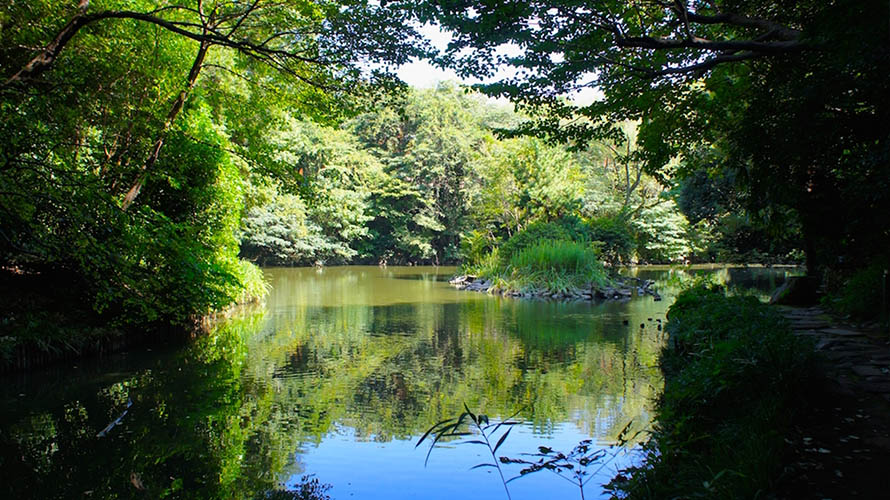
(334, 379)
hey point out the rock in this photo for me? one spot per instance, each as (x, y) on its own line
(868, 371)
(458, 280)
(841, 332)
(877, 387)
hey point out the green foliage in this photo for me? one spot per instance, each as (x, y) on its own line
(734, 377)
(521, 181)
(475, 246)
(488, 265)
(427, 146)
(557, 256)
(531, 235)
(662, 234)
(714, 204)
(861, 295)
(124, 155)
(556, 266)
(327, 221)
(797, 116)
(613, 239)
(479, 426)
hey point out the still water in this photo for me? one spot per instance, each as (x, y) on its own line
(334, 379)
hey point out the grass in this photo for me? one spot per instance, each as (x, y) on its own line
(734, 378)
(552, 266)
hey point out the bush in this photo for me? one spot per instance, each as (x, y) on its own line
(616, 243)
(475, 247)
(532, 234)
(734, 374)
(568, 228)
(556, 266)
(861, 295)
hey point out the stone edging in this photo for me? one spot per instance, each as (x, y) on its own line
(623, 288)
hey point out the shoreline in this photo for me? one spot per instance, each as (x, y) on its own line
(620, 288)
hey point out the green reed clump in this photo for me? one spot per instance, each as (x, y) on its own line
(734, 379)
(556, 265)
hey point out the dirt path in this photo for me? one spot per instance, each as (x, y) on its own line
(840, 447)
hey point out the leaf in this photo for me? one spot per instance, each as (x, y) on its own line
(475, 441)
(501, 440)
(473, 416)
(482, 465)
(433, 445)
(431, 429)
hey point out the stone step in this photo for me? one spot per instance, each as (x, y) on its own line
(842, 332)
(870, 371)
(810, 325)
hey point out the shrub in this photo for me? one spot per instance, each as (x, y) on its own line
(475, 246)
(861, 295)
(556, 265)
(569, 228)
(616, 243)
(734, 374)
(532, 234)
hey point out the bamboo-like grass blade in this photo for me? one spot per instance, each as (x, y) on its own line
(501, 440)
(478, 466)
(430, 430)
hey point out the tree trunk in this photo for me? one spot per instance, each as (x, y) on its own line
(162, 134)
(812, 261)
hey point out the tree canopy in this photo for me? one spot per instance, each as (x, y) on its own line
(129, 129)
(781, 92)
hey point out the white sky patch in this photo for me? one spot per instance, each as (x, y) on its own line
(421, 74)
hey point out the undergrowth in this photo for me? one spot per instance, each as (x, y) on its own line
(734, 378)
(863, 294)
(546, 266)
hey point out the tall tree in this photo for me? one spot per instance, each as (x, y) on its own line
(108, 99)
(796, 104)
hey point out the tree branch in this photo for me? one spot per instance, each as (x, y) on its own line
(783, 32)
(48, 56)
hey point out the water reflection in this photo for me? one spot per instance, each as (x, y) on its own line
(337, 376)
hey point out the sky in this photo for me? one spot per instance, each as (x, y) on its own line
(422, 74)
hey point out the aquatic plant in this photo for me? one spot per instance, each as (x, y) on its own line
(571, 466)
(483, 428)
(559, 266)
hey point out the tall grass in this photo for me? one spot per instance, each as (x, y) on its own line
(548, 266)
(556, 266)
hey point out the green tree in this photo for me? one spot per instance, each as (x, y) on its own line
(427, 144)
(796, 104)
(123, 154)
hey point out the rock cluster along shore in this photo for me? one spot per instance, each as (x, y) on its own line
(621, 288)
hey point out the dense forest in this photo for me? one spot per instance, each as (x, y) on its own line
(155, 155)
(150, 154)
